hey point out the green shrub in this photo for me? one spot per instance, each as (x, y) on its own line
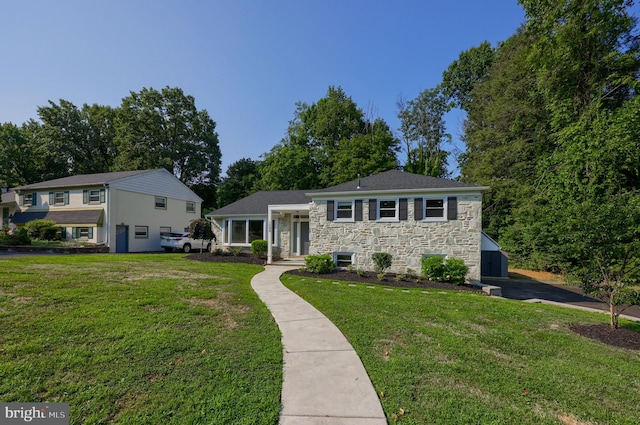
(450, 270)
(259, 247)
(381, 261)
(20, 238)
(361, 272)
(45, 230)
(456, 271)
(320, 263)
(236, 251)
(433, 268)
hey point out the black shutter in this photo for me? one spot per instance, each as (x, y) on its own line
(418, 209)
(34, 199)
(51, 198)
(330, 211)
(102, 194)
(452, 208)
(358, 212)
(373, 209)
(403, 210)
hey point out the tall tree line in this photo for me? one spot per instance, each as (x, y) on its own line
(553, 128)
(150, 129)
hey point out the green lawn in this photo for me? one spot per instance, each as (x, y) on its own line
(461, 358)
(138, 339)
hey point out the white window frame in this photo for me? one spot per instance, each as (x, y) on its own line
(94, 196)
(336, 208)
(351, 256)
(444, 208)
(163, 200)
(143, 230)
(396, 216)
(28, 203)
(165, 229)
(227, 230)
(191, 210)
(58, 198)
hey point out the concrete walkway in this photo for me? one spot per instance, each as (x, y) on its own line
(324, 381)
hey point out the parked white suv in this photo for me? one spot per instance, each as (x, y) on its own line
(182, 241)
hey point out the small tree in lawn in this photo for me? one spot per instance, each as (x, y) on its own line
(607, 235)
(201, 229)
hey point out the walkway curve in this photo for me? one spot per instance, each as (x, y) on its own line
(324, 381)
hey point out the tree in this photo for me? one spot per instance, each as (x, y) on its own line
(327, 143)
(506, 134)
(585, 55)
(200, 228)
(14, 153)
(164, 129)
(607, 239)
(424, 133)
(240, 181)
(82, 138)
(460, 78)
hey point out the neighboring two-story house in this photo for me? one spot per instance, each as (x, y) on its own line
(8, 206)
(407, 215)
(126, 211)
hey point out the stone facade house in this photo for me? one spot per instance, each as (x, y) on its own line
(126, 211)
(407, 215)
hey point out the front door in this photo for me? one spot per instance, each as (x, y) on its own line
(122, 238)
(300, 243)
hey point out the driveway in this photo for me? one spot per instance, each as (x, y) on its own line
(561, 293)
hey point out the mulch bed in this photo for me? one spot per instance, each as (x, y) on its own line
(389, 280)
(621, 337)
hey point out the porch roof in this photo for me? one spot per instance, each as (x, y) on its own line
(258, 203)
(88, 217)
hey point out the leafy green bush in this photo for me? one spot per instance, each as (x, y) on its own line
(236, 251)
(320, 263)
(381, 261)
(259, 247)
(450, 270)
(20, 238)
(45, 230)
(433, 268)
(456, 271)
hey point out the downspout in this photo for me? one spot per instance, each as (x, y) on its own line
(269, 236)
(108, 190)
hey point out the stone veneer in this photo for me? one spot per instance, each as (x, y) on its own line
(407, 241)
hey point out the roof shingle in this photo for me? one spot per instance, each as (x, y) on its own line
(395, 180)
(82, 180)
(258, 203)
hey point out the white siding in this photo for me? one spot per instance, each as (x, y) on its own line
(157, 182)
(137, 209)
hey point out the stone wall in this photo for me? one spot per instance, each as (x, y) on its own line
(407, 241)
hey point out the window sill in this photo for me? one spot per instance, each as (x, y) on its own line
(434, 220)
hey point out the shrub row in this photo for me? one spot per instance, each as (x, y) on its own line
(435, 268)
(20, 238)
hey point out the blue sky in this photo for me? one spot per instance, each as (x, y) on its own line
(246, 62)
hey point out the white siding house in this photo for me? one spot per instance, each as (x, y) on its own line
(125, 211)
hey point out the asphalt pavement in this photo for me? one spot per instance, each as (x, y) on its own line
(555, 292)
